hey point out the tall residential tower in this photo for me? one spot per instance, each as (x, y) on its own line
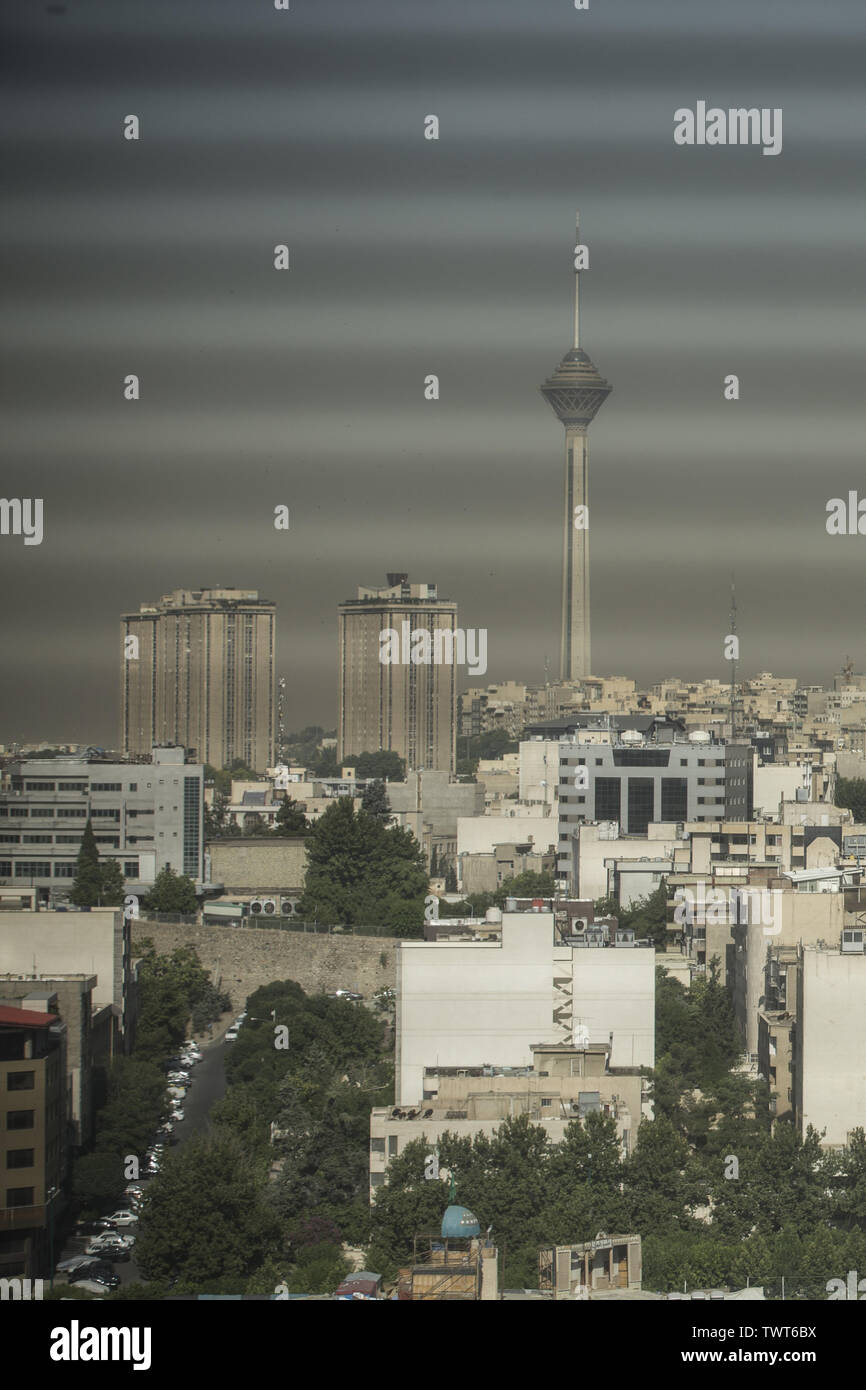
(406, 707)
(198, 670)
(576, 392)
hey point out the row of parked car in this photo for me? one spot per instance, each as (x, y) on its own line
(231, 1033)
(113, 1241)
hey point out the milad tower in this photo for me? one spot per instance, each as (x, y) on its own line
(576, 392)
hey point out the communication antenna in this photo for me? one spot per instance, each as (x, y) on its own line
(281, 703)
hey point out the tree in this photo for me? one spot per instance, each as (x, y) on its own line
(171, 892)
(206, 1216)
(290, 818)
(87, 883)
(113, 884)
(360, 873)
(384, 764)
(375, 801)
(529, 884)
(450, 879)
(215, 815)
(851, 795)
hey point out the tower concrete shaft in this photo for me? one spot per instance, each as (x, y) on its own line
(576, 392)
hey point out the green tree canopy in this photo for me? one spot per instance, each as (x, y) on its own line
(290, 819)
(375, 801)
(87, 883)
(384, 764)
(206, 1215)
(360, 873)
(171, 892)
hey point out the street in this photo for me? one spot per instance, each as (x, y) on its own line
(208, 1084)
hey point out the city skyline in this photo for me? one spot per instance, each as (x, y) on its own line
(411, 257)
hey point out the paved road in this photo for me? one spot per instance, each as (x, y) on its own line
(208, 1084)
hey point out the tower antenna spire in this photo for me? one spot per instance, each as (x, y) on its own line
(576, 282)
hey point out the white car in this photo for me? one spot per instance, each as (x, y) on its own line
(177, 1115)
(122, 1217)
(231, 1035)
(179, 1078)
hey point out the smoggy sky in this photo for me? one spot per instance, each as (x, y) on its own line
(411, 257)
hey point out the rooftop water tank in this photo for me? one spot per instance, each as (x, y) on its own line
(631, 736)
(699, 736)
(493, 915)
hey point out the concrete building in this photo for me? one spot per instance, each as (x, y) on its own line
(34, 1112)
(91, 1038)
(639, 779)
(830, 1038)
(47, 946)
(249, 866)
(146, 815)
(484, 873)
(802, 918)
(575, 393)
(563, 1084)
(431, 805)
(591, 1267)
(476, 1003)
(197, 669)
(400, 706)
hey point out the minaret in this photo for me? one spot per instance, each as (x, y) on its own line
(576, 392)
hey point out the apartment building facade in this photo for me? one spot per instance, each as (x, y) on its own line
(146, 815)
(197, 669)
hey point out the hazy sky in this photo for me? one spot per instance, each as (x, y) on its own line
(410, 257)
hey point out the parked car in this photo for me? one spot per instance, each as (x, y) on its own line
(107, 1250)
(124, 1216)
(231, 1034)
(177, 1114)
(77, 1262)
(101, 1275)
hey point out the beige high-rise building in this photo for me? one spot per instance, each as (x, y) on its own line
(408, 703)
(198, 670)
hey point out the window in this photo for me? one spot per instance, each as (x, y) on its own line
(392, 1145)
(641, 797)
(545, 1102)
(64, 870)
(19, 1197)
(17, 810)
(37, 839)
(19, 1119)
(38, 869)
(67, 839)
(133, 786)
(377, 1179)
(39, 787)
(41, 812)
(19, 1158)
(377, 1146)
(106, 786)
(10, 839)
(5, 868)
(607, 798)
(105, 814)
(21, 1080)
(675, 799)
(72, 786)
(130, 868)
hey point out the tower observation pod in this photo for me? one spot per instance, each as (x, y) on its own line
(576, 392)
